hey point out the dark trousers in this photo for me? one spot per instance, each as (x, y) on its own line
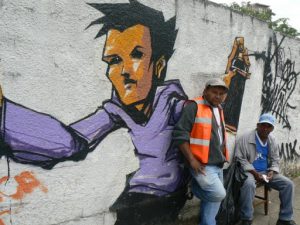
(146, 209)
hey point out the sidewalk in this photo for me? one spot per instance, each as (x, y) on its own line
(271, 219)
(259, 215)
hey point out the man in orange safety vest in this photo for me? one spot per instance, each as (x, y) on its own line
(201, 137)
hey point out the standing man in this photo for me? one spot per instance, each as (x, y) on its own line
(200, 135)
(258, 154)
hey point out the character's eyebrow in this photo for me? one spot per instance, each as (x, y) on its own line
(137, 52)
(107, 57)
(112, 59)
(137, 47)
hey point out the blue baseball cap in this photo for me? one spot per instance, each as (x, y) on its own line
(267, 118)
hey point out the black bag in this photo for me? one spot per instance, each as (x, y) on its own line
(234, 177)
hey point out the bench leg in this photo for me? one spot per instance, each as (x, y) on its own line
(266, 192)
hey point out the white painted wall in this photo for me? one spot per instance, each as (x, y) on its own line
(50, 63)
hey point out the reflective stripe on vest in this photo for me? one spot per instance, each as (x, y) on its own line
(201, 133)
(199, 141)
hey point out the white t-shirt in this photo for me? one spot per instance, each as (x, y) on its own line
(218, 119)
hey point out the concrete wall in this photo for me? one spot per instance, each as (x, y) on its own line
(49, 63)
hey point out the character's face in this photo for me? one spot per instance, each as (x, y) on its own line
(215, 95)
(263, 130)
(128, 55)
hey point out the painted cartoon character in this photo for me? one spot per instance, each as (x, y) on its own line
(139, 43)
(236, 74)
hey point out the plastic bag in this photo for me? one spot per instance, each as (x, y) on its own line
(234, 177)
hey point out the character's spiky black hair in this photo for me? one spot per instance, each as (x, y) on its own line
(121, 16)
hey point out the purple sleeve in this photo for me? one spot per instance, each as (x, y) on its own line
(178, 110)
(95, 126)
(40, 139)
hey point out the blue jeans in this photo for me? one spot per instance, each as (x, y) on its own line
(210, 189)
(280, 183)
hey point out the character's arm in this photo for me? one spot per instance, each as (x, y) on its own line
(96, 126)
(40, 139)
(238, 61)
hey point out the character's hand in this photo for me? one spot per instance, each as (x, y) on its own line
(270, 175)
(197, 166)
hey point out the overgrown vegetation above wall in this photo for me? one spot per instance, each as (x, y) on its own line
(280, 25)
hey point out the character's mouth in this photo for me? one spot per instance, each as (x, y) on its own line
(128, 83)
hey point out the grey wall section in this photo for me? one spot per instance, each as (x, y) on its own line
(51, 64)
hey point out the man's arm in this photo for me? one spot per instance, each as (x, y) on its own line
(181, 135)
(241, 146)
(274, 155)
(240, 149)
(193, 162)
(258, 177)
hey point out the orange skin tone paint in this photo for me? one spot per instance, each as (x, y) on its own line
(130, 70)
(27, 183)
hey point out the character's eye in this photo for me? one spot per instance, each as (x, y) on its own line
(136, 54)
(114, 60)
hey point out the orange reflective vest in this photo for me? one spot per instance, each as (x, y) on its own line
(201, 132)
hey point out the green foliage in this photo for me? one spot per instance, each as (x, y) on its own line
(247, 9)
(281, 25)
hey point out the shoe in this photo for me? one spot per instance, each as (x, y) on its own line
(282, 222)
(246, 222)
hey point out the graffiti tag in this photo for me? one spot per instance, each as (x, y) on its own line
(288, 151)
(278, 85)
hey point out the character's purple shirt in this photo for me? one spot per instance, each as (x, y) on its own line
(40, 139)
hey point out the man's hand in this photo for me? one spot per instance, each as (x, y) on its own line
(257, 176)
(270, 174)
(194, 163)
(197, 166)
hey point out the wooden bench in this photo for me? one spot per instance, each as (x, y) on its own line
(264, 197)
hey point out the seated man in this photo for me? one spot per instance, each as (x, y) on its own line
(258, 154)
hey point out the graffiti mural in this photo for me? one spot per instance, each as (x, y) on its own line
(139, 43)
(237, 72)
(288, 151)
(26, 183)
(278, 84)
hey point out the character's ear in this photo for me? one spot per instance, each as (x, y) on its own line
(159, 66)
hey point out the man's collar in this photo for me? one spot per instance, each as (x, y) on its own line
(259, 139)
(252, 136)
(205, 101)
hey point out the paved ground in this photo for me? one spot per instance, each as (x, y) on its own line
(259, 216)
(261, 219)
